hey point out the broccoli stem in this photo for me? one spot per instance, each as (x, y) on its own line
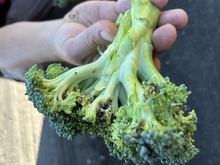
(146, 69)
(130, 49)
(131, 46)
(129, 78)
(73, 77)
(138, 64)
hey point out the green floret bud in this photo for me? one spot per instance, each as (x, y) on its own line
(121, 97)
(151, 131)
(42, 90)
(36, 95)
(55, 70)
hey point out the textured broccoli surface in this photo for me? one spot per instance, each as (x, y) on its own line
(121, 97)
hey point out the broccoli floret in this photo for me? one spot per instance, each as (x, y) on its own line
(156, 128)
(60, 99)
(121, 97)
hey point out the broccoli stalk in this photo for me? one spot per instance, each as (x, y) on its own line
(121, 96)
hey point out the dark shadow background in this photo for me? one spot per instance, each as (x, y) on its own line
(193, 60)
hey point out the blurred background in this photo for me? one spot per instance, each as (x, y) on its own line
(193, 60)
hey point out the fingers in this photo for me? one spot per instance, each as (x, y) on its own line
(160, 3)
(177, 17)
(157, 63)
(163, 38)
(122, 6)
(82, 49)
(165, 35)
(90, 12)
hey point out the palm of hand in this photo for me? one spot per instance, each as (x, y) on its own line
(79, 35)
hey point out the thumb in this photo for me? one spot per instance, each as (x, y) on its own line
(82, 49)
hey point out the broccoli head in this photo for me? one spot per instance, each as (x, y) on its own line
(155, 129)
(121, 97)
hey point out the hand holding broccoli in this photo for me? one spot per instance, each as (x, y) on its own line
(74, 39)
(121, 96)
(91, 24)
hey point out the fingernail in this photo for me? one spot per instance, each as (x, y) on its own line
(106, 36)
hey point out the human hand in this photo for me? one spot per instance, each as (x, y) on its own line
(91, 24)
